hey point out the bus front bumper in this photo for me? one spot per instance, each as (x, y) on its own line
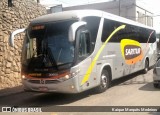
(68, 86)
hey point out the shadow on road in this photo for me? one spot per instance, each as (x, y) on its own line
(35, 99)
(149, 87)
(9, 91)
(127, 80)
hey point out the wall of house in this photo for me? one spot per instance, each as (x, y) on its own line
(144, 16)
(125, 8)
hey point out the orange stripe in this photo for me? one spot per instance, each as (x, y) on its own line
(134, 60)
(52, 77)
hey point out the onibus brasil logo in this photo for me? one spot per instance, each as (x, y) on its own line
(131, 51)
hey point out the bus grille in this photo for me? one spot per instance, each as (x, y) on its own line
(34, 81)
(45, 81)
(51, 81)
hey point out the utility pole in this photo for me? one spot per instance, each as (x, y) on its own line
(119, 7)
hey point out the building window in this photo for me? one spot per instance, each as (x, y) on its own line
(149, 21)
(141, 18)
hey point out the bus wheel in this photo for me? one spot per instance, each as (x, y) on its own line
(146, 68)
(155, 85)
(105, 82)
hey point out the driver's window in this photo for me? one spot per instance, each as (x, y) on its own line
(84, 44)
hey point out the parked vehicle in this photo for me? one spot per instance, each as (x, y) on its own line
(156, 74)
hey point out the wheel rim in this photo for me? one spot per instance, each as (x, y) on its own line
(104, 81)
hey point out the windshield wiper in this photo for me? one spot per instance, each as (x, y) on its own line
(65, 63)
(51, 58)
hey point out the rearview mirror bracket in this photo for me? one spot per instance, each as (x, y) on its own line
(11, 39)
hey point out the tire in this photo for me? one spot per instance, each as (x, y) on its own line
(146, 67)
(104, 82)
(155, 85)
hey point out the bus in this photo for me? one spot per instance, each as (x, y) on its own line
(74, 51)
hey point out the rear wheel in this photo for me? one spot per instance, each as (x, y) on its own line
(146, 67)
(155, 85)
(104, 83)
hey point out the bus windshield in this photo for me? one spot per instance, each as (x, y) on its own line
(47, 45)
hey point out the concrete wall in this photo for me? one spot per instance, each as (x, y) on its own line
(13, 18)
(144, 16)
(125, 8)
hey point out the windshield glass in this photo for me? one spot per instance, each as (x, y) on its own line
(47, 45)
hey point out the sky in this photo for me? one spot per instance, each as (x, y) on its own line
(150, 5)
(66, 3)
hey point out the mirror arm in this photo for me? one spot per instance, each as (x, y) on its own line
(157, 40)
(73, 28)
(13, 34)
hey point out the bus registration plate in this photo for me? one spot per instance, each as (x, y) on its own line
(43, 88)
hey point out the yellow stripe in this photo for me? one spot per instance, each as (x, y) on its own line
(87, 75)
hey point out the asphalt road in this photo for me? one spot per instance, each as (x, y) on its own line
(133, 90)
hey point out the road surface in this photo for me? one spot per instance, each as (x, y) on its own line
(133, 90)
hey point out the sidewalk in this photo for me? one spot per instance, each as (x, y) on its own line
(9, 91)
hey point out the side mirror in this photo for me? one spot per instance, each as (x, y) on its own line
(11, 39)
(73, 28)
(157, 40)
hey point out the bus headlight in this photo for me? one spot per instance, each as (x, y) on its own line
(23, 77)
(68, 76)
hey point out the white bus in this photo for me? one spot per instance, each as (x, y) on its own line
(73, 51)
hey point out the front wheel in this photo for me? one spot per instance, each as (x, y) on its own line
(146, 67)
(104, 83)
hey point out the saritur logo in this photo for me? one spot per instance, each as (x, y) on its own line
(131, 51)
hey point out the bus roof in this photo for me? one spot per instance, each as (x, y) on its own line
(79, 14)
(67, 15)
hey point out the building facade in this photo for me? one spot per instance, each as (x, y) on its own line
(125, 8)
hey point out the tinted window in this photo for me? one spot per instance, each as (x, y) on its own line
(47, 45)
(92, 26)
(140, 34)
(84, 44)
(108, 27)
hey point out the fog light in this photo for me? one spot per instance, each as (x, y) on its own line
(72, 87)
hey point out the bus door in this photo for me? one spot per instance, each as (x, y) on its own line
(84, 51)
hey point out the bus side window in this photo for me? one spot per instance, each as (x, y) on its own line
(84, 44)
